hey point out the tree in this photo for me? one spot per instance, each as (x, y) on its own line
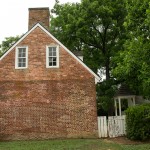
(133, 63)
(7, 43)
(1, 53)
(94, 27)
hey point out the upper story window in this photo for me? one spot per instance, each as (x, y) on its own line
(21, 57)
(52, 56)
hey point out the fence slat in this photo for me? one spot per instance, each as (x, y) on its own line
(102, 131)
(113, 127)
(99, 131)
(102, 126)
(105, 127)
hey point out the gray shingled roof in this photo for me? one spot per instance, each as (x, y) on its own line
(77, 53)
(124, 90)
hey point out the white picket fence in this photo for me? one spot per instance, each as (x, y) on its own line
(114, 126)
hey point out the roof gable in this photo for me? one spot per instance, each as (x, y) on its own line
(97, 78)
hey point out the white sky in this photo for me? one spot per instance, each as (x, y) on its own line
(14, 15)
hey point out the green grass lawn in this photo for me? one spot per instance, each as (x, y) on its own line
(71, 144)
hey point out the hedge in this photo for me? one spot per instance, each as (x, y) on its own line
(138, 122)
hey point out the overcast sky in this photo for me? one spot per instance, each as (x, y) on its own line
(14, 15)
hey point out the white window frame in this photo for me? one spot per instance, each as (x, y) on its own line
(47, 56)
(16, 57)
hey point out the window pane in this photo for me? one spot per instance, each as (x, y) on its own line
(19, 64)
(50, 64)
(54, 58)
(22, 60)
(54, 63)
(50, 59)
(54, 49)
(21, 52)
(23, 64)
(50, 51)
(23, 55)
(19, 60)
(54, 53)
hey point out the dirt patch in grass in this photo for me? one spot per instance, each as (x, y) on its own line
(126, 141)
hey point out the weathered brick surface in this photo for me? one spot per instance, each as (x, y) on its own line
(39, 15)
(41, 103)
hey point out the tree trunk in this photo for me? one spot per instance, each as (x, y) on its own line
(111, 107)
(107, 69)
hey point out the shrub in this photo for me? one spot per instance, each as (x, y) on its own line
(138, 122)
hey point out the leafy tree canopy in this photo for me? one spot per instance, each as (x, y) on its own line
(133, 64)
(7, 43)
(94, 27)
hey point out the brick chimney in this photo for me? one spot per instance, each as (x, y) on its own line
(39, 15)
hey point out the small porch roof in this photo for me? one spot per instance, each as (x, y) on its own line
(124, 92)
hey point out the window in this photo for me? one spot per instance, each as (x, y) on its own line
(52, 57)
(21, 57)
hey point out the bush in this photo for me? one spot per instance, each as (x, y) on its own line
(138, 122)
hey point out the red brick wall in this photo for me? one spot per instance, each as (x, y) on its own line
(39, 15)
(41, 103)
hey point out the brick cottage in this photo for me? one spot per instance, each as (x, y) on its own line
(45, 90)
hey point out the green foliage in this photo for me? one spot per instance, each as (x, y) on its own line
(105, 94)
(138, 122)
(63, 24)
(137, 20)
(1, 53)
(7, 43)
(132, 64)
(94, 27)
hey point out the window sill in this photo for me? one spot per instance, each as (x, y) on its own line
(52, 67)
(18, 68)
